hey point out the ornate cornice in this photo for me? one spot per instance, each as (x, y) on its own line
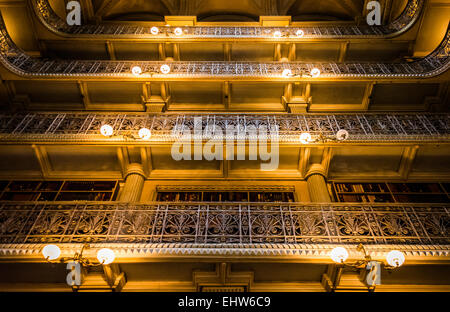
(18, 62)
(363, 128)
(298, 251)
(54, 23)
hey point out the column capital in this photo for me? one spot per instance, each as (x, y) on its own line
(316, 169)
(135, 168)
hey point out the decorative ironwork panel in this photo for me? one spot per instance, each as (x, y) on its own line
(400, 25)
(22, 64)
(169, 127)
(223, 223)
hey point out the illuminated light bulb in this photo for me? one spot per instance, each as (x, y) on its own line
(395, 258)
(277, 34)
(165, 69)
(342, 135)
(106, 130)
(106, 256)
(178, 31)
(339, 254)
(305, 138)
(145, 134)
(287, 73)
(136, 70)
(51, 252)
(300, 33)
(315, 72)
(154, 30)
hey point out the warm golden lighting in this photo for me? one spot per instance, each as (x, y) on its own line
(339, 254)
(178, 31)
(287, 73)
(154, 30)
(305, 138)
(300, 33)
(106, 130)
(136, 70)
(106, 256)
(315, 72)
(277, 34)
(395, 258)
(342, 135)
(165, 69)
(145, 134)
(51, 252)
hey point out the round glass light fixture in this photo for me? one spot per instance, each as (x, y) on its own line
(339, 254)
(305, 138)
(106, 130)
(300, 33)
(287, 73)
(342, 135)
(165, 69)
(154, 30)
(51, 252)
(136, 70)
(277, 34)
(395, 258)
(178, 31)
(315, 72)
(145, 134)
(106, 256)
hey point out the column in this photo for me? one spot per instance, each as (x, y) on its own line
(134, 183)
(317, 185)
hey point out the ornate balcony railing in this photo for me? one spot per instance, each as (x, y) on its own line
(110, 31)
(22, 127)
(17, 61)
(224, 223)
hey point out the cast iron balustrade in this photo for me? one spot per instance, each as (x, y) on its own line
(398, 26)
(23, 127)
(224, 223)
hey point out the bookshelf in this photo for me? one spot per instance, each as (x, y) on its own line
(387, 192)
(224, 196)
(58, 190)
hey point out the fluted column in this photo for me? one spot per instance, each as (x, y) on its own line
(134, 183)
(317, 185)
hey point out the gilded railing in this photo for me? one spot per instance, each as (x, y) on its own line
(23, 64)
(168, 127)
(224, 223)
(398, 26)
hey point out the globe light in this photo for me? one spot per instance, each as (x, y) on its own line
(165, 69)
(154, 30)
(106, 130)
(178, 31)
(106, 256)
(287, 73)
(395, 258)
(51, 252)
(342, 135)
(300, 33)
(339, 254)
(145, 134)
(305, 138)
(277, 34)
(136, 70)
(315, 72)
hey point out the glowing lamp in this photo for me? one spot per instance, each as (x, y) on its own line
(165, 69)
(287, 73)
(106, 256)
(277, 34)
(300, 33)
(154, 30)
(51, 252)
(339, 254)
(178, 31)
(395, 258)
(106, 130)
(136, 70)
(145, 134)
(315, 72)
(305, 138)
